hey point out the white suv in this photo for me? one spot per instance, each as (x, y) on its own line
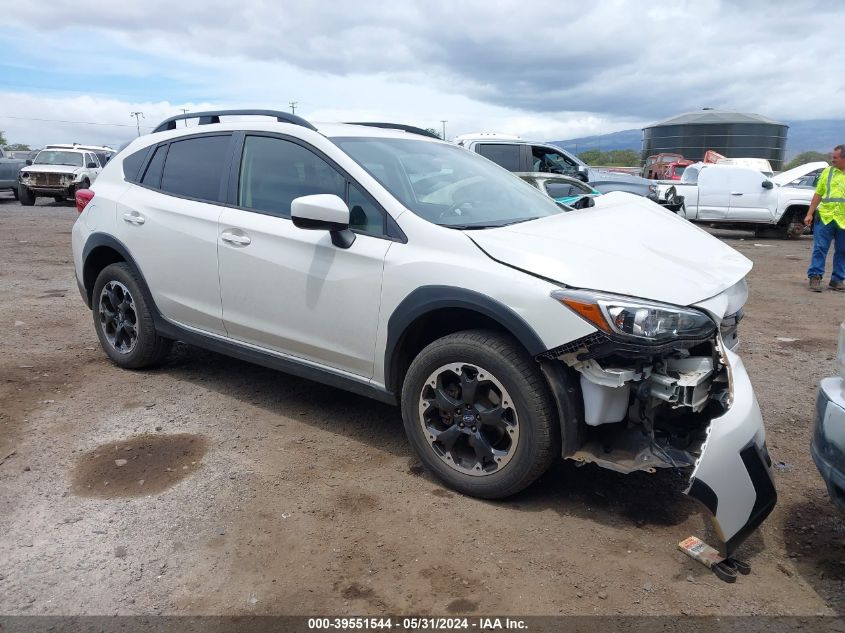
(59, 171)
(510, 329)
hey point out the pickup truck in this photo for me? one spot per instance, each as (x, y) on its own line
(739, 197)
(9, 168)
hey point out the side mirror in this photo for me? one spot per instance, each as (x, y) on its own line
(92, 165)
(29, 161)
(323, 212)
(583, 174)
(768, 184)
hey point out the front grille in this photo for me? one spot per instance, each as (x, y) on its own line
(47, 180)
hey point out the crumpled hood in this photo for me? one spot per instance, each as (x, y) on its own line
(49, 169)
(625, 245)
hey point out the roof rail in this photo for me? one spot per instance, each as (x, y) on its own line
(207, 118)
(397, 126)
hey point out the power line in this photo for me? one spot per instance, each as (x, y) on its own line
(23, 118)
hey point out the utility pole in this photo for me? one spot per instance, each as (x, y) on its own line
(184, 111)
(444, 122)
(293, 105)
(138, 116)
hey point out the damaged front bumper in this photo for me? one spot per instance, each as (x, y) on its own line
(687, 404)
(733, 476)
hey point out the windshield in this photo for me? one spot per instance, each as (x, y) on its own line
(50, 157)
(448, 185)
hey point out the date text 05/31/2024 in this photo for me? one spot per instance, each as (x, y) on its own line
(416, 624)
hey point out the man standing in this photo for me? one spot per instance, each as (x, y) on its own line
(830, 227)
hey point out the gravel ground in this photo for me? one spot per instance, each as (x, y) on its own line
(247, 491)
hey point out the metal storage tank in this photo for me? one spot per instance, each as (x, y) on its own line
(732, 134)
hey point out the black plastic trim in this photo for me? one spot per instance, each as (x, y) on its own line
(704, 493)
(214, 117)
(570, 409)
(96, 240)
(289, 366)
(766, 498)
(427, 299)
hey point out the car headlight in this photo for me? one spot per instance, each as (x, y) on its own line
(644, 321)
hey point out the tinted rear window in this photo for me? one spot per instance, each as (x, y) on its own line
(506, 156)
(132, 164)
(194, 167)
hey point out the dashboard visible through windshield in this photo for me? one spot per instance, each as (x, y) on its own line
(448, 185)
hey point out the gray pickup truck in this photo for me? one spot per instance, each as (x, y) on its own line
(9, 168)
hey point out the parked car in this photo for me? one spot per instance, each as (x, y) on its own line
(828, 445)
(509, 330)
(569, 191)
(9, 168)
(58, 172)
(740, 198)
(103, 152)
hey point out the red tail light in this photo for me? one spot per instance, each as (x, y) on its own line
(83, 197)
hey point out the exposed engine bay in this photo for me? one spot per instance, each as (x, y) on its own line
(646, 409)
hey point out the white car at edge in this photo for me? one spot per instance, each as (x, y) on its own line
(510, 330)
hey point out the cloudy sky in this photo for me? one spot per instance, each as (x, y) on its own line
(73, 70)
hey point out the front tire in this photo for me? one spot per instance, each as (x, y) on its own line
(477, 411)
(123, 321)
(25, 196)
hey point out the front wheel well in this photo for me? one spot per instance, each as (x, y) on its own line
(428, 328)
(793, 213)
(95, 262)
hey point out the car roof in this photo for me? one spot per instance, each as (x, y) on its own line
(329, 130)
(86, 148)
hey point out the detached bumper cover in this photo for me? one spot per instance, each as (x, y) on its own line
(733, 477)
(828, 446)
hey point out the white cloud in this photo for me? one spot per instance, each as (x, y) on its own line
(545, 70)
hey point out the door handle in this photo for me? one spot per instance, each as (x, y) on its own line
(232, 238)
(736, 193)
(133, 218)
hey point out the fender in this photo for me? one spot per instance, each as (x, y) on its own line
(430, 298)
(97, 240)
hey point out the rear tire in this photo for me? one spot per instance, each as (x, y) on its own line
(25, 196)
(59, 198)
(478, 412)
(123, 321)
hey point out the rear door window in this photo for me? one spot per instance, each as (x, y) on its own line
(194, 167)
(506, 156)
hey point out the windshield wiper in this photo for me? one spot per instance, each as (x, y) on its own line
(495, 225)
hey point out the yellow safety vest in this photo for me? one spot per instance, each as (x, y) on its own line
(831, 189)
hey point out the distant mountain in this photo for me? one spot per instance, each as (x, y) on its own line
(820, 135)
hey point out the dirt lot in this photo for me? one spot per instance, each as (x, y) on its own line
(249, 491)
